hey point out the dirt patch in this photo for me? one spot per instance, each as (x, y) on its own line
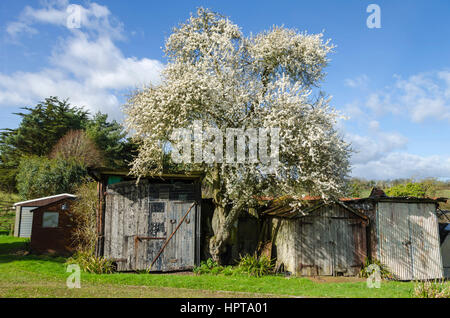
(184, 273)
(336, 279)
(94, 290)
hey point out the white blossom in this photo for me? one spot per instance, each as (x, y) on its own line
(227, 80)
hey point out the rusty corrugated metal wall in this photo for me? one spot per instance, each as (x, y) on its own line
(331, 241)
(445, 251)
(408, 240)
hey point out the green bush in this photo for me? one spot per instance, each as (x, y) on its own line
(40, 176)
(255, 266)
(410, 189)
(432, 289)
(84, 216)
(92, 264)
(208, 267)
(249, 265)
(384, 271)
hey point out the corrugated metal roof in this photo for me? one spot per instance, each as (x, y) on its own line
(281, 208)
(44, 200)
(97, 173)
(402, 199)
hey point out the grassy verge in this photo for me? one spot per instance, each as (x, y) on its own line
(7, 216)
(45, 276)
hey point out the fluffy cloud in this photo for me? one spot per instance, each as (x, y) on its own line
(420, 97)
(85, 65)
(93, 17)
(403, 165)
(357, 82)
(381, 155)
(375, 146)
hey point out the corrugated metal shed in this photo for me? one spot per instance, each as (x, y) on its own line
(404, 235)
(24, 217)
(323, 239)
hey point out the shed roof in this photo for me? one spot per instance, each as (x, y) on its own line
(401, 199)
(98, 173)
(44, 200)
(53, 203)
(281, 208)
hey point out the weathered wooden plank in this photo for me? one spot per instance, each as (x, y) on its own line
(132, 211)
(308, 245)
(169, 255)
(322, 244)
(107, 232)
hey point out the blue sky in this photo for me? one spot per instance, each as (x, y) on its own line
(393, 83)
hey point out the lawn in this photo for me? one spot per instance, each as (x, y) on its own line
(45, 276)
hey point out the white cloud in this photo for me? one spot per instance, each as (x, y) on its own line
(374, 125)
(374, 146)
(382, 155)
(17, 27)
(420, 97)
(357, 82)
(93, 17)
(403, 165)
(85, 66)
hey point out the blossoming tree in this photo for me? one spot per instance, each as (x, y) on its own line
(224, 79)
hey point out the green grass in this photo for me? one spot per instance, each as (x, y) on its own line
(45, 276)
(11, 244)
(9, 197)
(7, 217)
(6, 221)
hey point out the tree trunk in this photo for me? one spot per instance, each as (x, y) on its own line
(222, 220)
(222, 230)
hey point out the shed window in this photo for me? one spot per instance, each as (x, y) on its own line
(50, 219)
(157, 207)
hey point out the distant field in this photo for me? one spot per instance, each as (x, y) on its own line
(7, 216)
(446, 194)
(44, 276)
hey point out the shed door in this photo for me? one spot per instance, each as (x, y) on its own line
(330, 246)
(349, 246)
(316, 250)
(425, 250)
(408, 240)
(163, 219)
(180, 251)
(26, 221)
(307, 241)
(325, 245)
(343, 246)
(394, 239)
(152, 233)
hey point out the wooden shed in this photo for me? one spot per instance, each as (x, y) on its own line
(324, 239)
(24, 217)
(150, 225)
(403, 234)
(52, 227)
